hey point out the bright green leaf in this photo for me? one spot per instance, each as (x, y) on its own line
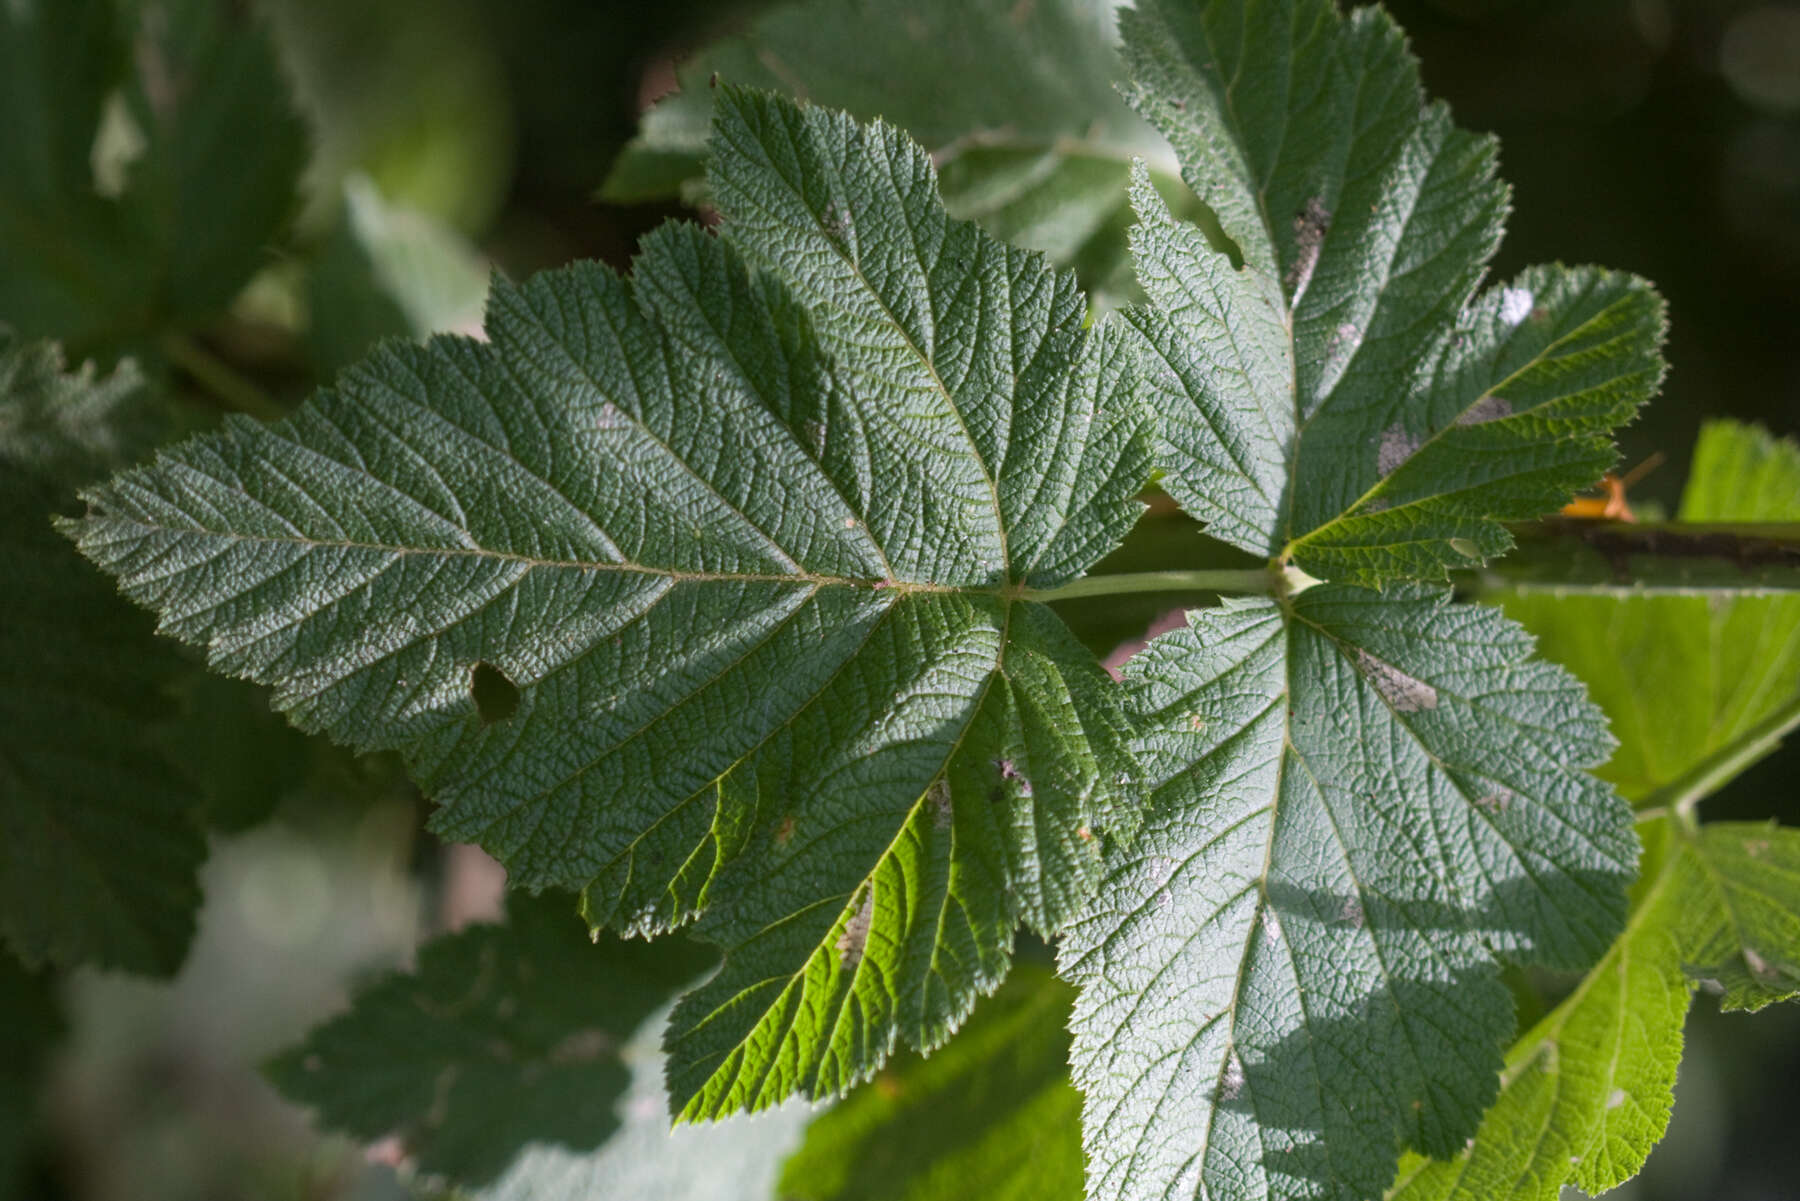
(502, 1036)
(98, 846)
(992, 1115)
(164, 230)
(736, 557)
(1339, 399)
(1689, 681)
(1360, 799)
(1016, 102)
(1587, 1091)
(1683, 677)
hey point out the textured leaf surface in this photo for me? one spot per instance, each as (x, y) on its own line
(992, 1115)
(98, 845)
(1017, 104)
(1338, 399)
(1587, 1092)
(1359, 799)
(1682, 677)
(735, 1160)
(737, 556)
(102, 256)
(503, 1035)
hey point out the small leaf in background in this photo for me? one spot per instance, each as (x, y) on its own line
(502, 1036)
(1359, 800)
(1341, 399)
(744, 553)
(1698, 688)
(208, 152)
(992, 1115)
(388, 272)
(1017, 104)
(99, 848)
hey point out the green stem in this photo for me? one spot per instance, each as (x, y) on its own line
(1724, 765)
(226, 384)
(1255, 580)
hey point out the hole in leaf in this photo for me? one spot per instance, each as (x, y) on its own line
(496, 697)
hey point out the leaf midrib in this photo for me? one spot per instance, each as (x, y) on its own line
(804, 578)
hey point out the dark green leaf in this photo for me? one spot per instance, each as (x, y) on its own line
(98, 846)
(30, 1026)
(752, 547)
(502, 1036)
(203, 154)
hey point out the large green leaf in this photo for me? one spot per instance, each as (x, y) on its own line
(710, 584)
(203, 154)
(502, 1036)
(992, 1115)
(1587, 1091)
(98, 843)
(1016, 102)
(1359, 800)
(1338, 399)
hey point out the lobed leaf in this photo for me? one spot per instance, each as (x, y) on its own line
(99, 848)
(1330, 392)
(1360, 799)
(709, 585)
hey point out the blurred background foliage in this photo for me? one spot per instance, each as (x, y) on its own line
(449, 138)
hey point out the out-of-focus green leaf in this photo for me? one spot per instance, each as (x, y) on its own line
(388, 272)
(502, 1036)
(98, 846)
(1016, 102)
(207, 183)
(407, 93)
(993, 1115)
